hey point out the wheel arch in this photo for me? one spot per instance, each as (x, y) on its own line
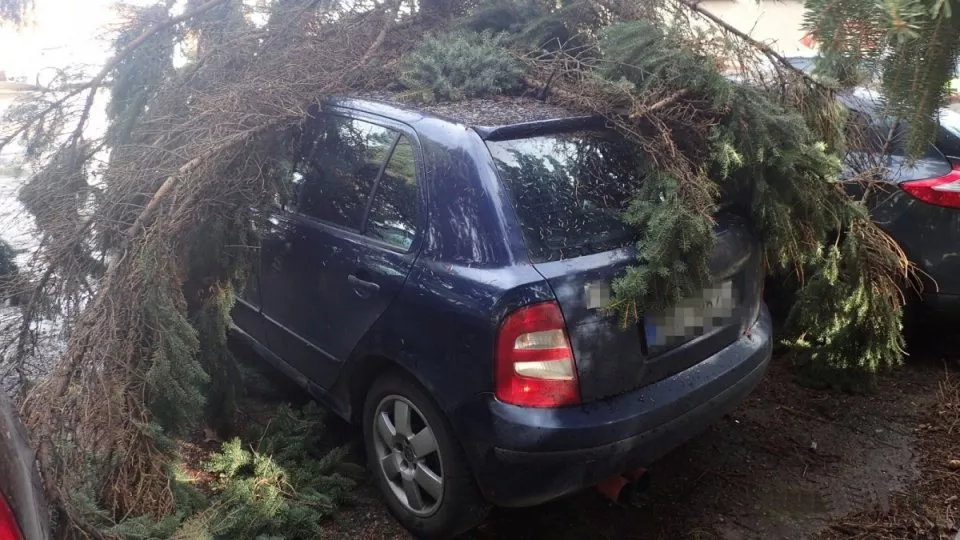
(365, 371)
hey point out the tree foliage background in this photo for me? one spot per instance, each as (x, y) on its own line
(910, 47)
(14, 11)
(146, 228)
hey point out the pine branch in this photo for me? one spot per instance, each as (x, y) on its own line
(50, 108)
(191, 165)
(390, 20)
(663, 103)
(96, 82)
(759, 45)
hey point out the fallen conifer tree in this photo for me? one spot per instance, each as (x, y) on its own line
(147, 227)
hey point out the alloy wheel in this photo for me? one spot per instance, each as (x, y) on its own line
(408, 455)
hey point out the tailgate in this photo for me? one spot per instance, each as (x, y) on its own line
(568, 189)
(613, 358)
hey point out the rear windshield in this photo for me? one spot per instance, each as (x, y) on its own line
(568, 190)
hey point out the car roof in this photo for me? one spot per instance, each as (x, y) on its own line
(861, 99)
(870, 101)
(489, 116)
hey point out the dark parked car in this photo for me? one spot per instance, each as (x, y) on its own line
(921, 207)
(444, 285)
(921, 211)
(23, 512)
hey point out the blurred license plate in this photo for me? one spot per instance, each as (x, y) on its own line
(692, 317)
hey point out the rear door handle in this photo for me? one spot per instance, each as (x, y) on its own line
(363, 288)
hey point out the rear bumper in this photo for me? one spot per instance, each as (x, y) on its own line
(524, 457)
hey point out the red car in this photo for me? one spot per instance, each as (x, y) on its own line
(23, 512)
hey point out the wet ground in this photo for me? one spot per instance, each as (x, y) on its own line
(790, 462)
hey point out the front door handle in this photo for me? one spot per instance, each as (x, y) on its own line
(363, 288)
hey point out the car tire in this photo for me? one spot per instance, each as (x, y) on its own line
(399, 418)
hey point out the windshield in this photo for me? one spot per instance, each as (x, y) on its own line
(568, 190)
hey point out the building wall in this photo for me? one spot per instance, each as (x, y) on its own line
(777, 23)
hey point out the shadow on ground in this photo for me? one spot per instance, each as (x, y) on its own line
(786, 464)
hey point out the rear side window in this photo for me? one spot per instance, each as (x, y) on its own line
(394, 210)
(949, 138)
(867, 132)
(863, 134)
(336, 162)
(898, 146)
(568, 190)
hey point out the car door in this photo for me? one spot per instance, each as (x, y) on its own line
(23, 510)
(340, 248)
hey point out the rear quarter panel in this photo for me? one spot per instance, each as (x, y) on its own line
(930, 236)
(443, 327)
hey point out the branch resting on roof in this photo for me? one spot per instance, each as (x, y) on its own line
(760, 46)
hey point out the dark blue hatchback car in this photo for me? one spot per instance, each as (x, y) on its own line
(441, 278)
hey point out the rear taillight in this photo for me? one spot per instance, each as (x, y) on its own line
(535, 366)
(942, 191)
(8, 525)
